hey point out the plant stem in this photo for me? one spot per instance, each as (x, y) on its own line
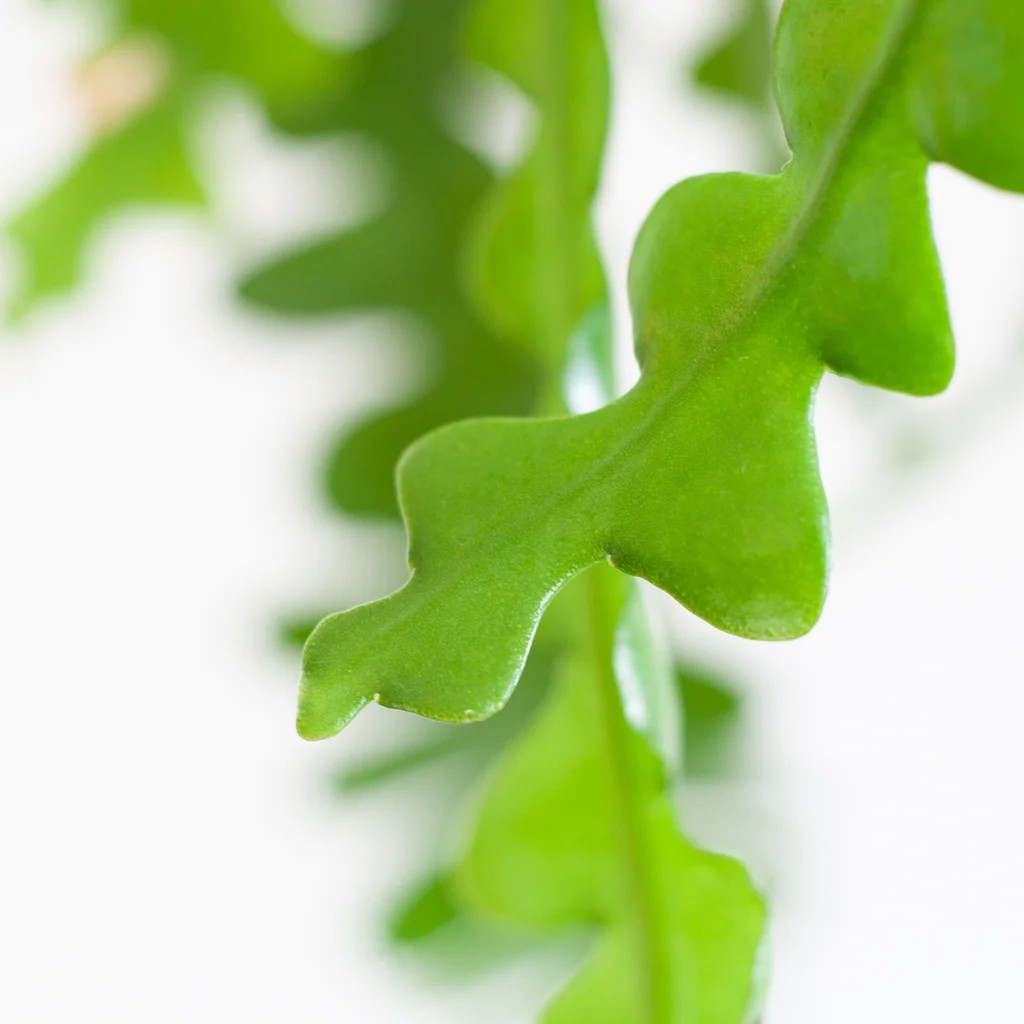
(558, 301)
(640, 874)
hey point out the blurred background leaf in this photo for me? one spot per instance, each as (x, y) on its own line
(140, 96)
(739, 63)
(578, 827)
(142, 161)
(406, 257)
(737, 66)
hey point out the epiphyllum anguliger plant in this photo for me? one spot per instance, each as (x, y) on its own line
(702, 479)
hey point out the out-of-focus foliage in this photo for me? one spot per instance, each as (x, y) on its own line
(739, 63)
(144, 89)
(407, 257)
(703, 711)
(737, 67)
(578, 827)
(250, 41)
(711, 715)
(143, 162)
(703, 479)
(713, 711)
(531, 253)
(533, 258)
(475, 747)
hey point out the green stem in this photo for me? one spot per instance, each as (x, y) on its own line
(640, 871)
(560, 296)
(558, 282)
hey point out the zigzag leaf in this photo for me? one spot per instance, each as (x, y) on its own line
(703, 478)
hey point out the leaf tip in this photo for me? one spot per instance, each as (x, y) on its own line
(315, 720)
(324, 708)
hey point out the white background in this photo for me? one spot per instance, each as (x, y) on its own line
(172, 852)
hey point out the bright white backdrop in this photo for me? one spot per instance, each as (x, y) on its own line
(171, 850)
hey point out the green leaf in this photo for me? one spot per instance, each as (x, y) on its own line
(147, 159)
(532, 255)
(249, 41)
(405, 258)
(387, 767)
(424, 911)
(739, 64)
(479, 742)
(578, 828)
(432, 922)
(712, 715)
(295, 630)
(142, 162)
(703, 479)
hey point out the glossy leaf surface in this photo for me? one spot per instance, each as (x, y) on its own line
(703, 479)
